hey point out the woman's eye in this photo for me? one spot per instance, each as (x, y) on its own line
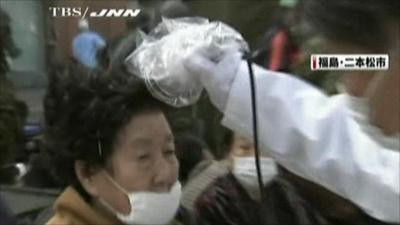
(169, 152)
(245, 147)
(143, 157)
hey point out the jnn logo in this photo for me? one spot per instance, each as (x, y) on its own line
(116, 13)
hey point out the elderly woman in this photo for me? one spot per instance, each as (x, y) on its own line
(113, 147)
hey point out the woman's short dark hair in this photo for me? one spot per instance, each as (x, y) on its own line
(189, 151)
(362, 23)
(84, 108)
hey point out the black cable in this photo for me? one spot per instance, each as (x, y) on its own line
(249, 60)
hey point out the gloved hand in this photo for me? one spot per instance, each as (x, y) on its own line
(216, 70)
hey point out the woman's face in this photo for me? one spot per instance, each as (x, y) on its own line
(143, 160)
(241, 147)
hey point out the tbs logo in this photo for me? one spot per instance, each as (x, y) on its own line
(83, 12)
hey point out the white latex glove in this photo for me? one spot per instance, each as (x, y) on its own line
(216, 70)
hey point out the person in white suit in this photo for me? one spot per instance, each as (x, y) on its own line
(346, 143)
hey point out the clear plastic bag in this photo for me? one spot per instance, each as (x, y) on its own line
(158, 59)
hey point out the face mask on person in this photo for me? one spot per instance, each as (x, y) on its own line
(245, 170)
(148, 207)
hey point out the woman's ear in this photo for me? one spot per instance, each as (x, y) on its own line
(86, 178)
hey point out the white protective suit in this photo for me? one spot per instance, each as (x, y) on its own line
(314, 136)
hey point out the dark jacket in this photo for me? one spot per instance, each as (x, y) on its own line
(288, 199)
(226, 202)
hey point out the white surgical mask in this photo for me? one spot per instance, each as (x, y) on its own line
(149, 207)
(245, 171)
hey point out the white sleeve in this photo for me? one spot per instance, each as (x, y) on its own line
(313, 136)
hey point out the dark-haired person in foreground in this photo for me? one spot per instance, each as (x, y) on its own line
(354, 154)
(112, 145)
